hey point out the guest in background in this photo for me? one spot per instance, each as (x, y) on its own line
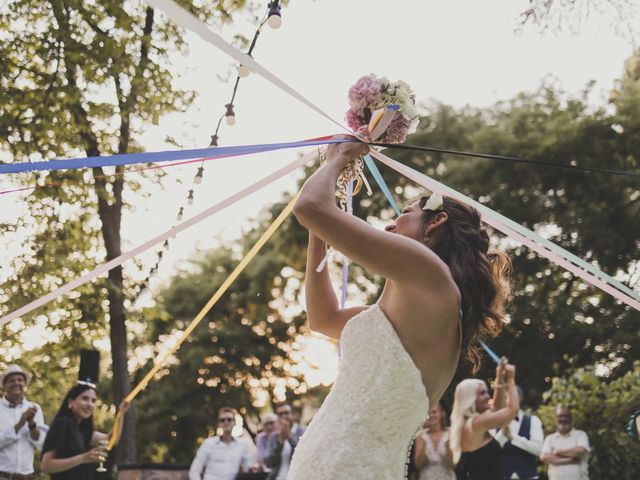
(566, 451)
(267, 427)
(521, 444)
(285, 410)
(282, 443)
(475, 451)
(72, 443)
(22, 427)
(432, 456)
(223, 457)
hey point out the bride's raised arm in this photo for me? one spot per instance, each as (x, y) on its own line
(397, 257)
(323, 311)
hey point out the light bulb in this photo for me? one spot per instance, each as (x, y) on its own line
(180, 213)
(243, 71)
(230, 116)
(198, 179)
(165, 245)
(274, 20)
(190, 197)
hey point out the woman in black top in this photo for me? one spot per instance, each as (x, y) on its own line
(72, 443)
(475, 451)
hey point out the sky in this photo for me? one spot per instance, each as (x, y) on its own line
(460, 52)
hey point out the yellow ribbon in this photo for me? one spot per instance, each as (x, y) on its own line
(194, 323)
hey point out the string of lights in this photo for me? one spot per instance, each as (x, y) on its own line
(273, 18)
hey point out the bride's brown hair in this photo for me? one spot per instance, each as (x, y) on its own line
(482, 277)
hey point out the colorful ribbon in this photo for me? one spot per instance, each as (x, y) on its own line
(166, 156)
(545, 248)
(209, 305)
(558, 255)
(490, 352)
(345, 260)
(105, 267)
(371, 165)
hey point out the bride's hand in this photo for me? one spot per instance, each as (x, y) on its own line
(344, 153)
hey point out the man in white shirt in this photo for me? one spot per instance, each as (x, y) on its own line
(566, 451)
(223, 457)
(22, 427)
(521, 445)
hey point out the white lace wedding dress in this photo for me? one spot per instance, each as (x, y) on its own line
(365, 427)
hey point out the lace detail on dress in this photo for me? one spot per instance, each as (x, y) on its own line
(378, 402)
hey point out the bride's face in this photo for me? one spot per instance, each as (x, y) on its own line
(410, 224)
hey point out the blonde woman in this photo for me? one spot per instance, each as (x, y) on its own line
(475, 451)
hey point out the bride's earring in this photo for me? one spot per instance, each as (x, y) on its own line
(426, 237)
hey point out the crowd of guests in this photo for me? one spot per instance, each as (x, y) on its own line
(224, 456)
(495, 439)
(489, 438)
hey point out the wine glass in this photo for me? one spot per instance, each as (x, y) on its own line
(103, 444)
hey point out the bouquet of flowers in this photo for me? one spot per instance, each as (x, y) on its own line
(382, 110)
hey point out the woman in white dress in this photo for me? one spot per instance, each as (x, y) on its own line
(432, 456)
(442, 291)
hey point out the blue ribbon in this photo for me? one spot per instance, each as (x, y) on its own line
(381, 183)
(491, 353)
(157, 157)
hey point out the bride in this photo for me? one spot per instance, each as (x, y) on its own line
(442, 292)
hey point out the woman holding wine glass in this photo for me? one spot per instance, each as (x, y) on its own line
(72, 444)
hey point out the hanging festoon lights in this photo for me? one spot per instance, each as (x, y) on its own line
(273, 18)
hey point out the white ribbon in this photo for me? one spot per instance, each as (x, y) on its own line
(515, 231)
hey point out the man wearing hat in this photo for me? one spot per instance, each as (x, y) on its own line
(22, 427)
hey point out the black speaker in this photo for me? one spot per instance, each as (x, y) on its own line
(89, 367)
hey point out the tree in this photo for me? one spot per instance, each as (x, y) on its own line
(83, 78)
(602, 409)
(559, 15)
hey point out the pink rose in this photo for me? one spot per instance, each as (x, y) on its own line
(397, 130)
(365, 92)
(353, 120)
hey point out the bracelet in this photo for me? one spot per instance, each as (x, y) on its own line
(502, 385)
